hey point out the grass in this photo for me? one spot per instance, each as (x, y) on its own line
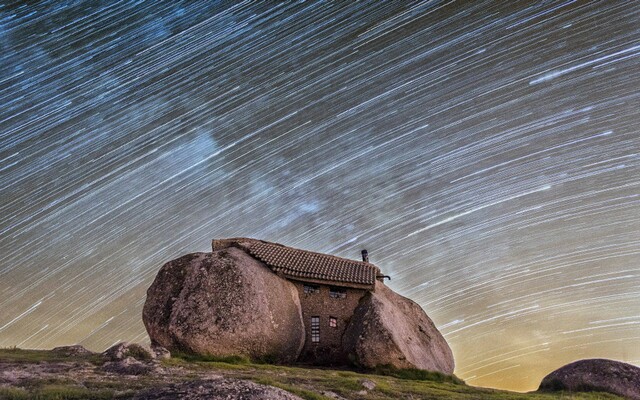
(417, 374)
(16, 355)
(308, 383)
(13, 393)
(235, 360)
(55, 392)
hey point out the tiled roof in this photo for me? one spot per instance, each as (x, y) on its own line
(309, 266)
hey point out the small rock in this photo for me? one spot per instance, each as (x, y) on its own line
(74, 350)
(123, 350)
(333, 395)
(368, 384)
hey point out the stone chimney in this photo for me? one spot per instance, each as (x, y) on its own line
(365, 256)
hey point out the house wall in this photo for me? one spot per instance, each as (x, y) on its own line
(328, 351)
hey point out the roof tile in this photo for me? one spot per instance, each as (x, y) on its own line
(298, 263)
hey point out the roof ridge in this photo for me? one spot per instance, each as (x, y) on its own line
(366, 264)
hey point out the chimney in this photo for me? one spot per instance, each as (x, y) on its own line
(365, 256)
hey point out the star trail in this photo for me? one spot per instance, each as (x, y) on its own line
(485, 153)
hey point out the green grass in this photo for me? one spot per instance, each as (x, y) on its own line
(417, 374)
(13, 393)
(13, 354)
(66, 392)
(55, 392)
(207, 362)
(235, 360)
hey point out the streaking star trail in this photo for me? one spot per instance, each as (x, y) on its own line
(485, 153)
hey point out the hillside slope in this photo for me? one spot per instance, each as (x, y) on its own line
(50, 375)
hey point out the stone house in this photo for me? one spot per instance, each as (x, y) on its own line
(266, 301)
(329, 287)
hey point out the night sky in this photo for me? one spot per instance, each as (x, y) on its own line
(485, 153)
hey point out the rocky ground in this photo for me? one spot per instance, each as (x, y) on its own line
(137, 372)
(123, 371)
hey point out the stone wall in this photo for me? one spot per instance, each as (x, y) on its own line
(328, 350)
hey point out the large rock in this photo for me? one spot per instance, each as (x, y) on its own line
(595, 375)
(224, 303)
(389, 329)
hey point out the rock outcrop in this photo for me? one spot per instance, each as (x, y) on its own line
(215, 389)
(387, 328)
(224, 303)
(595, 375)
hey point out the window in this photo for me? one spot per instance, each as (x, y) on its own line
(311, 289)
(333, 322)
(315, 329)
(337, 293)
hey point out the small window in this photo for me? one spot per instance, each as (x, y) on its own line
(315, 329)
(337, 293)
(333, 322)
(311, 289)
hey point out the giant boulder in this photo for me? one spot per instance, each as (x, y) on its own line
(595, 375)
(389, 329)
(224, 303)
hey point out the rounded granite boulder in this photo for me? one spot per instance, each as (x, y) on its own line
(595, 375)
(224, 303)
(389, 329)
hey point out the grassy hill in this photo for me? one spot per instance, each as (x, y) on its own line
(40, 374)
